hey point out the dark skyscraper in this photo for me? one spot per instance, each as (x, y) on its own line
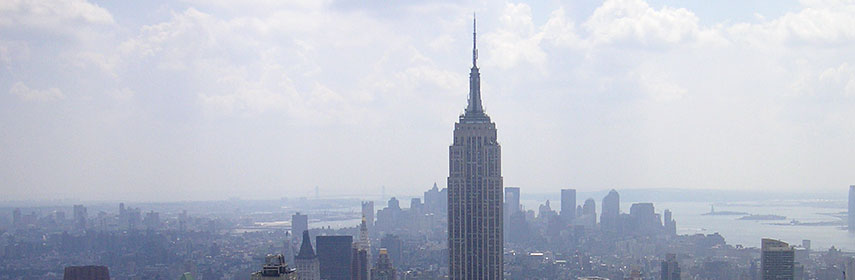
(475, 191)
(568, 205)
(334, 256)
(776, 260)
(611, 211)
(851, 213)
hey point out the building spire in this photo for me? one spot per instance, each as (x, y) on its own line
(474, 109)
(474, 42)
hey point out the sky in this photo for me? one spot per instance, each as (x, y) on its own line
(198, 100)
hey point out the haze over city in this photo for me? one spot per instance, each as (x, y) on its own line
(201, 100)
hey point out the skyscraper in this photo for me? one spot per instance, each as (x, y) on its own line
(670, 269)
(368, 213)
(306, 261)
(776, 260)
(383, 269)
(360, 268)
(475, 190)
(670, 224)
(299, 223)
(851, 213)
(568, 205)
(334, 256)
(589, 214)
(611, 211)
(394, 246)
(512, 205)
(80, 217)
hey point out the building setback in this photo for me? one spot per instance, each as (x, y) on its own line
(475, 238)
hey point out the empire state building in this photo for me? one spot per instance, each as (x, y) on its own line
(475, 190)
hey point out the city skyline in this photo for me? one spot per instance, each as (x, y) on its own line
(203, 101)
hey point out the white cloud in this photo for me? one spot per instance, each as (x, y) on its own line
(517, 41)
(51, 14)
(635, 22)
(660, 88)
(822, 23)
(833, 81)
(30, 94)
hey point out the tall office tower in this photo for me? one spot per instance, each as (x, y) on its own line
(512, 205)
(512, 199)
(611, 211)
(306, 261)
(643, 219)
(851, 213)
(416, 205)
(589, 213)
(776, 260)
(395, 247)
(670, 224)
(299, 223)
(568, 205)
(90, 272)
(368, 213)
(152, 220)
(17, 219)
(334, 256)
(80, 217)
(475, 190)
(432, 199)
(670, 269)
(360, 268)
(383, 269)
(274, 268)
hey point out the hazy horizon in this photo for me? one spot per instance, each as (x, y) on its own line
(207, 100)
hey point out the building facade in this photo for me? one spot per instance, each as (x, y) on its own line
(776, 260)
(611, 212)
(334, 256)
(299, 223)
(475, 237)
(851, 213)
(383, 268)
(306, 260)
(568, 206)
